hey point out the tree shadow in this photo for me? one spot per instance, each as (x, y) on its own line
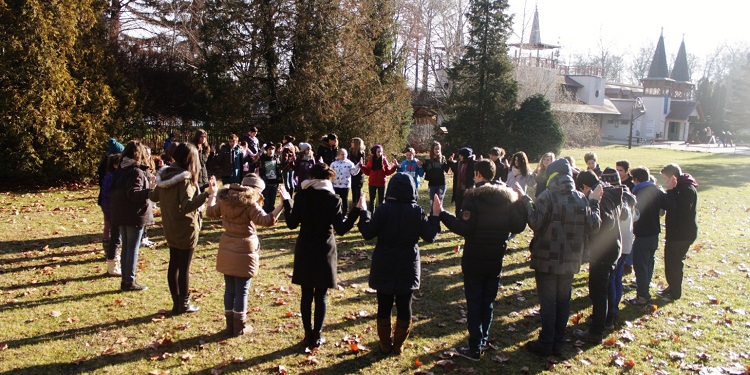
(49, 301)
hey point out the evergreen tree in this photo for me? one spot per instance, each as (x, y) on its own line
(537, 130)
(483, 96)
(738, 103)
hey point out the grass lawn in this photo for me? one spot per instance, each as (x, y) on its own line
(60, 315)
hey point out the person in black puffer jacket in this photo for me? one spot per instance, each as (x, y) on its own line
(398, 223)
(490, 213)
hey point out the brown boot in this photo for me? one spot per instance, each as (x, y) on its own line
(400, 333)
(229, 315)
(240, 326)
(384, 334)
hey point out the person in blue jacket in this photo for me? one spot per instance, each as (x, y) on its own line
(412, 166)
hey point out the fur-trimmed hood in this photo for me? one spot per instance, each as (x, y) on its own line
(171, 176)
(235, 195)
(492, 194)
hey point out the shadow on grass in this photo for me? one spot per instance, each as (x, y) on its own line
(14, 247)
(55, 300)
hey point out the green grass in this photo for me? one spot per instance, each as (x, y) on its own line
(59, 314)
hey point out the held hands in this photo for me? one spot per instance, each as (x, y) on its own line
(213, 187)
(450, 158)
(395, 162)
(362, 203)
(437, 206)
(283, 193)
(419, 163)
(519, 189)
(597, 193)
(320, 160)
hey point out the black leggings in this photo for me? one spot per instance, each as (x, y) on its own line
(178, 273)
(403, 305)
(308, 294)
(381, 196)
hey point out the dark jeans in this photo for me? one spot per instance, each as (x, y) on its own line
(436, 190)
(644, 249)
(319, 295)
(480, 292)
(554, 306)
(114, 242)
(381, 196)
(178, 273)
(674, 256)
(235, 293)
(131, 243)
(344, 194)
(615, 289)
(269, 197)
(458, 199)
(403, 305)
(599, 275)
(356, 190)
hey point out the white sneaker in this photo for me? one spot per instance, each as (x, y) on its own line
(146, 243)
(113, 268)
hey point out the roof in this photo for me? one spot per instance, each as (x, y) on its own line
(658, 68)
(625, 106)
(680, 70)
(606, 109)
(570, 82)
(681, 109)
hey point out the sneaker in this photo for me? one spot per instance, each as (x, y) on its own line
(133, 287)
(473, 355)
(146, 243)
(666, 292)
(637, 301)
(587, 336)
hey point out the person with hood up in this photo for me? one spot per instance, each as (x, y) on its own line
(177, 191)
(605, 249)
(463, 176)
(561, 218)
(490, 213)
(681, 226)
(395, 270)
(317, 210)
(239, 207)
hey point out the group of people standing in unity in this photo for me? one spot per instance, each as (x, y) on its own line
(577, 216)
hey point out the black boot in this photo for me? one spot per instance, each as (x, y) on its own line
(184, 305)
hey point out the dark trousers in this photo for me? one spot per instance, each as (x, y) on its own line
(599, 275)
(480, 291)
(403, 305)
(356, 190)
(178, 272)
(269, 197)
(644, 249)
(380, 190)
(114, 242)
(308, 295)
(458, 199)
(554, 306)
(674, 256)
(615, 289)
(344, 194)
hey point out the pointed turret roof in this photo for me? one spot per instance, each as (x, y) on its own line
(659, 67)
(680, 70)
(535, 37)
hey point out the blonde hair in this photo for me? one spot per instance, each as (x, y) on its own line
(541, 167)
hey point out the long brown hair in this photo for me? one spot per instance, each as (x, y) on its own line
(136, 151)
(523, 162)
(186, 157)
(432, 149)
(203, 147)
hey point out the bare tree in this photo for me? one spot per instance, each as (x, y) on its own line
(640, 61)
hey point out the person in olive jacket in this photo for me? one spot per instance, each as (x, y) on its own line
(177, 191)
(131, 209)
(317, 210)
(395, 271)
(490, 213)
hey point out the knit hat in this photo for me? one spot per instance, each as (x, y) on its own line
(587, 178)
(114, 147)
(253, 180)
(374, 148)
(304, 146)
(466, 152)
(610, 175)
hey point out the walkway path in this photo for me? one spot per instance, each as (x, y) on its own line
(697, 147)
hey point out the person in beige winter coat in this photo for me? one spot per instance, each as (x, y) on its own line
(239, 207)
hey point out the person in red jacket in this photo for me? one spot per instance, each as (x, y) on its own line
(378, 169)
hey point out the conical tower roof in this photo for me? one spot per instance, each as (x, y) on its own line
(535, 37)
(659, 67)
(680, 70)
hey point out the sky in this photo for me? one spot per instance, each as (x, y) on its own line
(579, 25)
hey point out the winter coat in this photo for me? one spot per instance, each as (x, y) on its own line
(398, 224)
(302, 169)
(105, 193)
(357, 178)
(129, 204)
(179, 205)
(318, 212)
(651, 200)
(435, 170)
(681, 206)
(344, 169)
(327, 153)
(606, 245)
(561, 218)
(377, 177)
(205, 159)
(468, 182)
(489, 214)
(630, 215)
(239, 246)
(229, 162)
(501, 171)
(541, 182)
(525, 181)
(412, 169)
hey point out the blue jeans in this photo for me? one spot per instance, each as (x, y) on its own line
(644, 249)
(554, 306)
(480, 292)
(235, 293)
(615, 288)
(436, 190)
(131, 242)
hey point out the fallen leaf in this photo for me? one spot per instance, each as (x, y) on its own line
(282, 369)
(3, 346)
(502, 357)
(676, 355)
(55, 313)
(109, 351)
(418, 362)
(121, 340)
(311, 359)
(186, 357)
(158, 372)
(609, 342)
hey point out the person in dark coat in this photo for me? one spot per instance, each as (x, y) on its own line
(395, 271)
(490, 213)
(329, 148)
(200, 140)
(497, 155)
(317, 210)
(463, 176)
(113, 148)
